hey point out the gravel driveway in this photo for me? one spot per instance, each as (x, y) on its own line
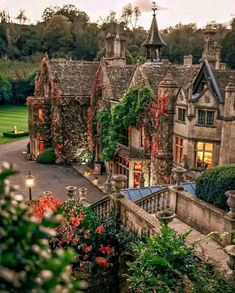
(47, 177)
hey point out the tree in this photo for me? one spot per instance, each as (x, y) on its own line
(130, 16)
(70, 11)
(57, 36)
(228, 46)
(21, 17)
(5, 89)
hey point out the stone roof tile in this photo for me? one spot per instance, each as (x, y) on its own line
(74, 78)
(120, 78)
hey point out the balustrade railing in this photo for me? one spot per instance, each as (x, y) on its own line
(103, 207)
(155, 202)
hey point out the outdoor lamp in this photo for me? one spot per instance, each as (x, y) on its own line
(30, 183)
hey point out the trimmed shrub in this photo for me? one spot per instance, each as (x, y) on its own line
(47, 157)
(212, 185)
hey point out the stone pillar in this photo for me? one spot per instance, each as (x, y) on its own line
(71, 192)
(162, 157)
(227, 148)
(118, 184)
(83, 196)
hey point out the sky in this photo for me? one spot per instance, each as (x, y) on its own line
(173, 11)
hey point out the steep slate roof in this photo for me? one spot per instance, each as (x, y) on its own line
(154, 38)
(120, 78)
(74, 78)
(222, 79)
(182, 74)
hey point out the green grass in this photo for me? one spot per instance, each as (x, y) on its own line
(11, 116)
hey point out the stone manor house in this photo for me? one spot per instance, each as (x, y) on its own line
(198, 129)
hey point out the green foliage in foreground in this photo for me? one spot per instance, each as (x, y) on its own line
(27, 263)
(165, 264)
(11, 116)
(114, 124)
(212, 185)
(46, 157)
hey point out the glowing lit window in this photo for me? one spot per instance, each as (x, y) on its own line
(179, 147)
(40, 115)
(137, 166)
(203, 155)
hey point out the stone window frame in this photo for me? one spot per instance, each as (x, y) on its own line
(181, 114)
(208, 122)
(204, 150)
(179, 149)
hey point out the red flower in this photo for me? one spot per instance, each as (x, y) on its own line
(87, 249)
(75, 221)
(102, 261)
(87, 234)
(100, 229)
(106, 250)
(44, 204)
(85, 257)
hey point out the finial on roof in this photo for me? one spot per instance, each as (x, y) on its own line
(154, 8)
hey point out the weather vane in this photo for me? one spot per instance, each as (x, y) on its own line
(154, 8)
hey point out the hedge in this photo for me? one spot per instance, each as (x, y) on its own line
(212, 185)
(47, 157)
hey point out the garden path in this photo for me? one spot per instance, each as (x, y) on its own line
(47, 177)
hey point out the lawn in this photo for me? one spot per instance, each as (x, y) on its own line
(11, 116)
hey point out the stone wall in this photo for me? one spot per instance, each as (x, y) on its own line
(201, 215)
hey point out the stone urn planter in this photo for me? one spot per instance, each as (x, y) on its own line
(231, 203)
(165, 216)
(119, 183)
(71, 192)
(230, 250)
(47, 193)
(178, 176)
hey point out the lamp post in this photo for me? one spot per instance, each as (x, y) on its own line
(30, 183)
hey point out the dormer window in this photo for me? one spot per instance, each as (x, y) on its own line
(181, 114)
(206, 117)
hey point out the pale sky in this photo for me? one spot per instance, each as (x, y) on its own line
(173, 12)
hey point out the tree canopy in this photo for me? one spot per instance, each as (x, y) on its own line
(68, 32)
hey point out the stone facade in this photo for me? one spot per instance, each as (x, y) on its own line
(192, 118)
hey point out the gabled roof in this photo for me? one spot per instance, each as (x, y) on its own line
(75, 78)
(120, 78)
(206, 73)
(182, 74)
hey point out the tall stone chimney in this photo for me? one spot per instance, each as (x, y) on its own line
(227, 149)
(211, 49)
(115, 49)
(188, 60)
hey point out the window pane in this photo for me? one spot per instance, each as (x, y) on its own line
(199, 159)
(208, 159)
(201, 117)
(209, 147)
(200, 145)
(210, 117)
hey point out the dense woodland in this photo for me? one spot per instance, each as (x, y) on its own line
(67, 32)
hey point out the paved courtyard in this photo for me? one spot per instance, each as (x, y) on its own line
(47, 177)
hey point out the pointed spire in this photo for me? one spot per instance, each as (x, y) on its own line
(154, 42)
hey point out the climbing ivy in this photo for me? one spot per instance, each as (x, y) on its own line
(114, 124)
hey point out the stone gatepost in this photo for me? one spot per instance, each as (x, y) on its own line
(118, 182)
(82, 199)
(230, 215)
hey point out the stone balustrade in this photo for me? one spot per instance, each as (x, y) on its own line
(155, 202)
(103, 207)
